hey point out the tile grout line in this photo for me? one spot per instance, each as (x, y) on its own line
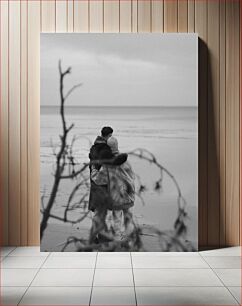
(135, 295)
(221, 281)
(14, 248)
(90, 299)
(33, 278)
(105, 286)
(122, 269)
(239, 303)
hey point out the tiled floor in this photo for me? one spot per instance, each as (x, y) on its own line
(29, 277)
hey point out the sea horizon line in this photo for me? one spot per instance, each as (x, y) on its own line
(122, 106)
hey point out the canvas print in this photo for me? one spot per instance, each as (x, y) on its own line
(119, 142)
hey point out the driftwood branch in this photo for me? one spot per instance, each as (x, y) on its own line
(61, 155)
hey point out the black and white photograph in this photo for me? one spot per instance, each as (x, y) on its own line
(119, 142)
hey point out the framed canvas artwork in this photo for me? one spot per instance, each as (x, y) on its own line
(119, 142)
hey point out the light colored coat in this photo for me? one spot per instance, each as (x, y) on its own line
(120, 182)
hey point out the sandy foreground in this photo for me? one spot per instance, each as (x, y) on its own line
(57, 234)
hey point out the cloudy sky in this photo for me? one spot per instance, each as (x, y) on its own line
(121, 69)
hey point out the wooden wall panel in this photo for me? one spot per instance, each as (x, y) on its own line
(144, 16)
(48, 16)
(61, 16)
(81, 16)
(232, 121)
(222, 121)
(24, 124)
(4, 134)
(14, 121)
(191, 15)
(33, 121)
(125, 19)
(170, 15)
(182, 16)
(201, 29)
(213, 117)
(217, 24)
(70, 15)
(157, 20)
(134, 16)
(96, 16)
(111, 16)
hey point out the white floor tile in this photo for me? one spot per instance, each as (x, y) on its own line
(175, 277)
(151, 261)
(57, 296)
(70, 262)
(166, 254)
(12, 295)
(73, 254)
(230, 277)
(232, 262)
(23, 262)
(114, 254)
(28, 251)
(4, 251)
(64, 277)
(17, 277)
(236, 292)
(113, 277)
(231, 251)
(113, 262)
(184, 296)
(113, 296)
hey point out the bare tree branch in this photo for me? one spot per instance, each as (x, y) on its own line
(60, 157)
(72, 89)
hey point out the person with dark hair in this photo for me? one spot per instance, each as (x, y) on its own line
(106, 132)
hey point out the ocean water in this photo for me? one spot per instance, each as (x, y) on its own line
(171, 134)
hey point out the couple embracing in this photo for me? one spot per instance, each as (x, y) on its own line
(112, 189)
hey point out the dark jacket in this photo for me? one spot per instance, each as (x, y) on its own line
(100, 150)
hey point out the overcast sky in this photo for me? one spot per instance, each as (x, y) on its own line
(121, 69)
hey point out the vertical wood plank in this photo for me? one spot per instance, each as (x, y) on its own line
(191, 16)
(157, 22)
(33, 121)
(4, 122)
(14, 123)
(96, 16)
(48, 16)
(144, 16)
(134, 18)
(61, 16)
(232, 122)
(125, 16)
(222, 120)
(111, 16)
(171, 15)
(70, 15)
(201, 29)
(24, 125)
(240, 129)
(182, 16)
(213, 124)
(81, 16)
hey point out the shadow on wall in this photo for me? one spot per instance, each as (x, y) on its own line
(209, 176)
